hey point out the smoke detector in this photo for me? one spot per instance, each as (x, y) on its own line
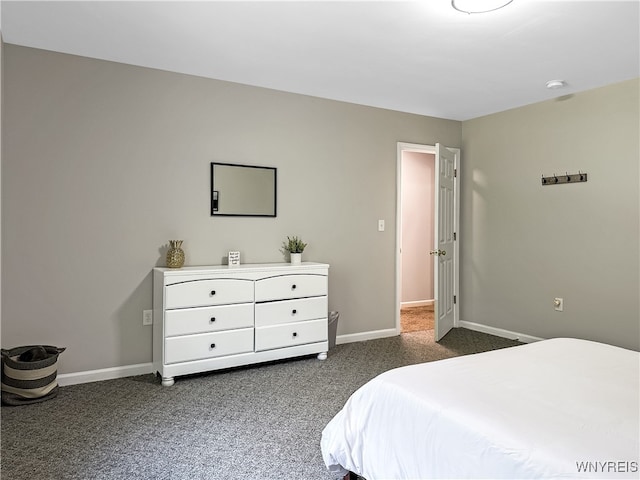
(555, 84)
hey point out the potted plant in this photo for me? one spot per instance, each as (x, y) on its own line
(294, 246)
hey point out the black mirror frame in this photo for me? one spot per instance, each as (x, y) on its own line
(214, 194)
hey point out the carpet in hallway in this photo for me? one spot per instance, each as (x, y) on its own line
(414, 319)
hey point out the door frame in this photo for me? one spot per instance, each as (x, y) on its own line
(431, 149)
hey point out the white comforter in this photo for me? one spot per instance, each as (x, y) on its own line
(561, 408)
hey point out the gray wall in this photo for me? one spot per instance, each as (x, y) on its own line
(524, 244)
(103, 163)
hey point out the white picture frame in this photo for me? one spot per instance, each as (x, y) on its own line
(234, 259)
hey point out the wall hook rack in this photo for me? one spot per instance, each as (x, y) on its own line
(566, 178)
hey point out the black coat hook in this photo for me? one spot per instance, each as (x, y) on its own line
(567, 178)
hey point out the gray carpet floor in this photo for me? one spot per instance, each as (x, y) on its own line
(261, 422)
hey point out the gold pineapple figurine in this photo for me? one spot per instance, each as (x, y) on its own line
(175, 254)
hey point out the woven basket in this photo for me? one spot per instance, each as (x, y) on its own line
(25, 382)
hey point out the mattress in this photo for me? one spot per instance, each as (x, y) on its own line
(559, 408)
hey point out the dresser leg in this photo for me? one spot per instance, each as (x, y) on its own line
(167, 381)
(322, 356)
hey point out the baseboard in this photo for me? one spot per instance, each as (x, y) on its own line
(417, 303)
(65, 379)
(361, 337)
(499, 332)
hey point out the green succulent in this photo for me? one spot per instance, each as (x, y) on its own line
(293, 245)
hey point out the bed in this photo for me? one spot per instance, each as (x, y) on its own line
(559, 408)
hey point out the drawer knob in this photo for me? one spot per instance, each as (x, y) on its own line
(295, 334)
(213, 345)
(213, 319)
(294, 311)
(293, 287)
(213, 292)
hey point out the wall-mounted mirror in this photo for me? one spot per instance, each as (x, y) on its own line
(243, 190)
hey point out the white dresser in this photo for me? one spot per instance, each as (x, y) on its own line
(212, 317)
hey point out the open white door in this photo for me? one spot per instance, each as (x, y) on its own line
(444, 272)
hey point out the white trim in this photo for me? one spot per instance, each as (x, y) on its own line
(403, 147)
(416, 303)
(456, 243)
(391, 332)
(499, 332)
(361, 337)
(415, 147)
(66, 379)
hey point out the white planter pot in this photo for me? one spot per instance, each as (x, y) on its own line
(296, 258)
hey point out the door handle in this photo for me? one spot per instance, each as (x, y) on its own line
(438, 252)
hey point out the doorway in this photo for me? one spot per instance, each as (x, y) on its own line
(437, 256)
(417, 183)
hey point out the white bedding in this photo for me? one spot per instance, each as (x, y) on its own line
(561, 408)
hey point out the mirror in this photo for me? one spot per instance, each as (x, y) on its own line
(243, 190)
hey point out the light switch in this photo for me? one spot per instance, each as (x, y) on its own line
(381, 225)
(558, 304)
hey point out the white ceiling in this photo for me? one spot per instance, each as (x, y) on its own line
(413, 56)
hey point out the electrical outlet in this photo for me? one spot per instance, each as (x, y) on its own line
(147, 317)
(558, 304)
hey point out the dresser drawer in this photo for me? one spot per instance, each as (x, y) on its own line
(208, 319)
(207, 345)
(290, 286)
(200, 293)
(287, 311)
(290, 334)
